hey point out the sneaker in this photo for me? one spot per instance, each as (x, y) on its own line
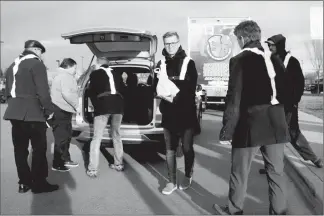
(71, 164)
(318, 163)
(60, 168)
(224, 210)
(119, 167)
(169, 188)
(186, 182)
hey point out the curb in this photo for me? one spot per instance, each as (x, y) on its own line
(304, 184)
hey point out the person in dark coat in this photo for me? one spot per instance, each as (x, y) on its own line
(29, 106)
(105, 94)
(179, 118)
(254, 119)
(294, 82)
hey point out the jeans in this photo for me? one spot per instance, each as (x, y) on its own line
(22, 133)
(298, 140)
(273, 156)
(172, 141)
(100, 123)
(62, 131)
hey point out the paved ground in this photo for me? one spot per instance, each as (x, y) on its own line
(137, 190)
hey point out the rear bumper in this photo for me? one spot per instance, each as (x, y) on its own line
(128, 135)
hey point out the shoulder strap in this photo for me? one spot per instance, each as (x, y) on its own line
(184, 68)
(15, 70)
(287, 58)
(111, 79)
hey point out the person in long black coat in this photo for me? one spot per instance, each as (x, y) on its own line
(294, 82)
(179, 118)
(29, 107)
(254, 119)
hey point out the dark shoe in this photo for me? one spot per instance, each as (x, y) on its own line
(23, 188)
(60, 168)
(71, 164)
(185, 184)
(318, 163)
(119, 167)
(44, 188)
(262, 171)
(223, 210)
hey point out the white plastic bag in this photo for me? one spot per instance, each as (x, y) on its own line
(165, 88)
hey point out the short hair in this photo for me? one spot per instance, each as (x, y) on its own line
(67, 63)
(170, 34)
(248, 29)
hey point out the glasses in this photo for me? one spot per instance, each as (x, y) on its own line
(171, 44)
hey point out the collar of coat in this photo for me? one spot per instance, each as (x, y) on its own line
(181, 54)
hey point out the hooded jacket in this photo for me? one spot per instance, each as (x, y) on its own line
(294, 81)
(181, 113)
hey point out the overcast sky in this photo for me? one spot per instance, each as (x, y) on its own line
(47, 20)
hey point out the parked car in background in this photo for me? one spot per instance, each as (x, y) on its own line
(318, 85)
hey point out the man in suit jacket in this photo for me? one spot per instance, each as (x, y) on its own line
(105, 90)
(29, 105)
(254, 119)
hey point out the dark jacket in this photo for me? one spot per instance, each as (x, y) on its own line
(100, 92)
(33, 100)
(294, 80)
(249, 118)
(181, 114)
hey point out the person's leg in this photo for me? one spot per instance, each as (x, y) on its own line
(116, 120)
(61, 137)
(273, 156)
(39, 161)
(66, 154)
(20, 139)
(240, 169)
(100, 123)
(298, 140)
(171, 142)
(189, 157)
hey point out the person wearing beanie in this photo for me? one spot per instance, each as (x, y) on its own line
(29, 108)
(294, 88)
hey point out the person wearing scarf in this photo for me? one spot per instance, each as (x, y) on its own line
(294, 89)
(179, 118)
(253, 120)
(29, 107)
(64, 93)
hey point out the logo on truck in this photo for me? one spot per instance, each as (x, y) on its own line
(219, 47)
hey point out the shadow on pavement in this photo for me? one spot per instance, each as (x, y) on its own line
(150, 198)
(58, 202)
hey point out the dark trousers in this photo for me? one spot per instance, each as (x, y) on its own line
(172, 141)
(298, 140)
(273, 156)
(62, 131)
(22, 133)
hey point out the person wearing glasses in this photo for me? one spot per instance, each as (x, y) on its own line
(179, 118)
(294, 89)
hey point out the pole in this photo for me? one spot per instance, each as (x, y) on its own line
(82, 63)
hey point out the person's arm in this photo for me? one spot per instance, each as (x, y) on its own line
(190, 82)
(9, 81)
(42, 88)
(92, 89)
(233, 101)
(299, 81)
(70, 91)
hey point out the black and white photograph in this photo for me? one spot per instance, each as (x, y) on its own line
(161, 108)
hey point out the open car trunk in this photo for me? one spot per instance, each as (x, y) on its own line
(138, 97)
